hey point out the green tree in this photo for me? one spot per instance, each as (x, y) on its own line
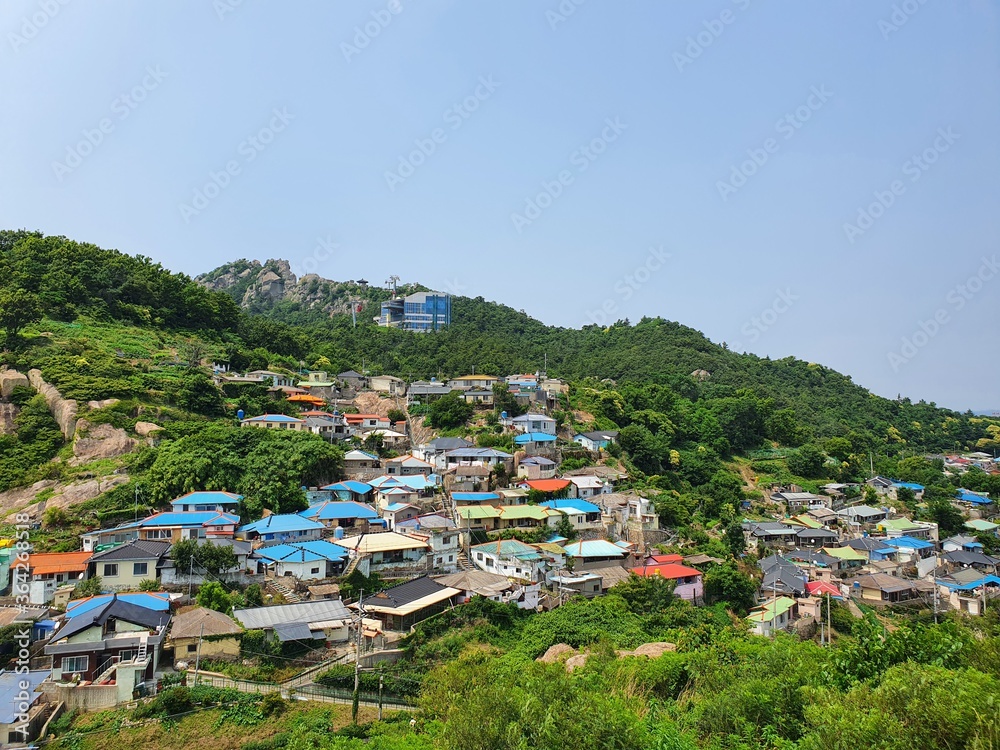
(734, 539)
(807, 462)
(725, 583)
(90, 587)
(213, 596)
(449, 411)
(18, 308)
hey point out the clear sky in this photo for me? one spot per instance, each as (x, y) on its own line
(819, 180)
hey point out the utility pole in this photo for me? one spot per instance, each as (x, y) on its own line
(357, 656)
(829, 631)
(190, 574)
(935, 602)
(197, 657)
(381, 676)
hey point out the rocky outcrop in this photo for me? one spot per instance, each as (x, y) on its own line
(63, 410)
(22, 499)
(99, 441)
(95, 405)
(145, 429)
(9, 380)
(7, 414)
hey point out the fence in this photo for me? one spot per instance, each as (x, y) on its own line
(335, 695)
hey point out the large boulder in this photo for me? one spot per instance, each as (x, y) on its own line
(99, 441)
(145, 429)
(63, 410)
(9, 380)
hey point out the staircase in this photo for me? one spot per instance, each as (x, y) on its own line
(103, 676)
(351, 566)
(288, 594)
(463, 561)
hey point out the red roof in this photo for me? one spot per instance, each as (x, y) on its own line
(660, 559)
(361, 417)
(667, 570)
(58, 562)
(822, 588)
(548, 485)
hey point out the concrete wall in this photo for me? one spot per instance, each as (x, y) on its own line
(82, 698)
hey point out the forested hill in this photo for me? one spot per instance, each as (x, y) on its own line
(63, 280)
(496, 339)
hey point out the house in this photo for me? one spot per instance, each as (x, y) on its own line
(873, 548)
(916, 489)
(587, 585)
(328, 426)
(526, 516)
(306, 561)
(967, 559)
(217, 634)
(171, 575)
(552, 487)
(219, 502)
(407, 466)
(511, 558)
(968, 589)
(863, 514)
(480, 398)
(323, 619)
(426, 392)
(128, 565)
(198, 524)
(389, 551)
(688, 583)
(474, 382)
(879, 587)
(581, 514)
(275, 422)
(284, 527)
(596, 441)
(590, 485)
(402, 606)
(344, 513)
(394, 494)
(968, 497)
(440, 446)
(22, 710)
(361, 424)
(390, 438)
(473, 457)
(475, 498)
(846, 557)
(536, 467)
(816, 538)
(394, 513)
(595, 552)
(526, 380)
(532, 423)
(276, 379)
(440, 533)
(478, 517)
(896, 527)
(772, 616)
(155, 601)
(534, 442)
(387, 384)
(961, 542)
(769, 534)
(499, 588)
(357, 461)
(782, 576)
(116, 640)
(798, 500)
(353, 490)
(48, 571)
(982, 525)
(350, 379)
(631, 515)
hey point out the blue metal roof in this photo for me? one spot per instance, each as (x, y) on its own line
(273, 418)
(281, 523)
(395, 507)
(581, 506)
(594, 548)
(910, 542)
(190, 518)
(157, 602)
(534, 437)
(10, 688)
(971, 497)
(985, 580)
(474, 497)
(335, 510)
(910, 485)
(207, 498)
(313, 551)
(351, 485)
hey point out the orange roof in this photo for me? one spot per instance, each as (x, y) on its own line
(306, 398)
(660, 559)
(58, 562)
(668, 570)
(548, 485)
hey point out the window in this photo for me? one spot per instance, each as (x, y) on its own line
(127, 655)
(192, 647)
(451, 558)
(72, 664)
(447, 540)
(314, 570)
(159, 534)
(110, 570)
(139, 569)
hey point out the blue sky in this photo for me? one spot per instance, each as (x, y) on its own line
(795, 179)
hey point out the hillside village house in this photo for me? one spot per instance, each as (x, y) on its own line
(275, 422)
(511, 558)
(537, 467)
(328, 426)
(587, 585)
(220, 502)
(407, 466)
(389, 551)
(772, 616)
(581, 514)
(498, 588)
(323, 619)
(169, 525)
(402, 606)
(395, 513)
(589, 485)
(359, 492)
(474, 382)
(387, 384)
(688, 581)
(358, 461)
(438, 447)
(531, 423)
(116, 640)
(344, 513)
(313, 560)
(596, 441)
(440, 533)
(595, 552)
(217, 634)
(426, 392)
(129, 564)
(286, 527)
(349, 379)
(48, 571)
(534, 443)
(473, 457)
(481, 399)
(14, 683)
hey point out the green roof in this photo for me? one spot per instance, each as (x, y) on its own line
(980, 524)
(771, 610)
(536, 512)
(512, 547)
(475, 512)
(844, 553)
(898, 524)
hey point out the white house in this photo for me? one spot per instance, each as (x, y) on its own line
(511, 558)
(588, 486)
(532, 423)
